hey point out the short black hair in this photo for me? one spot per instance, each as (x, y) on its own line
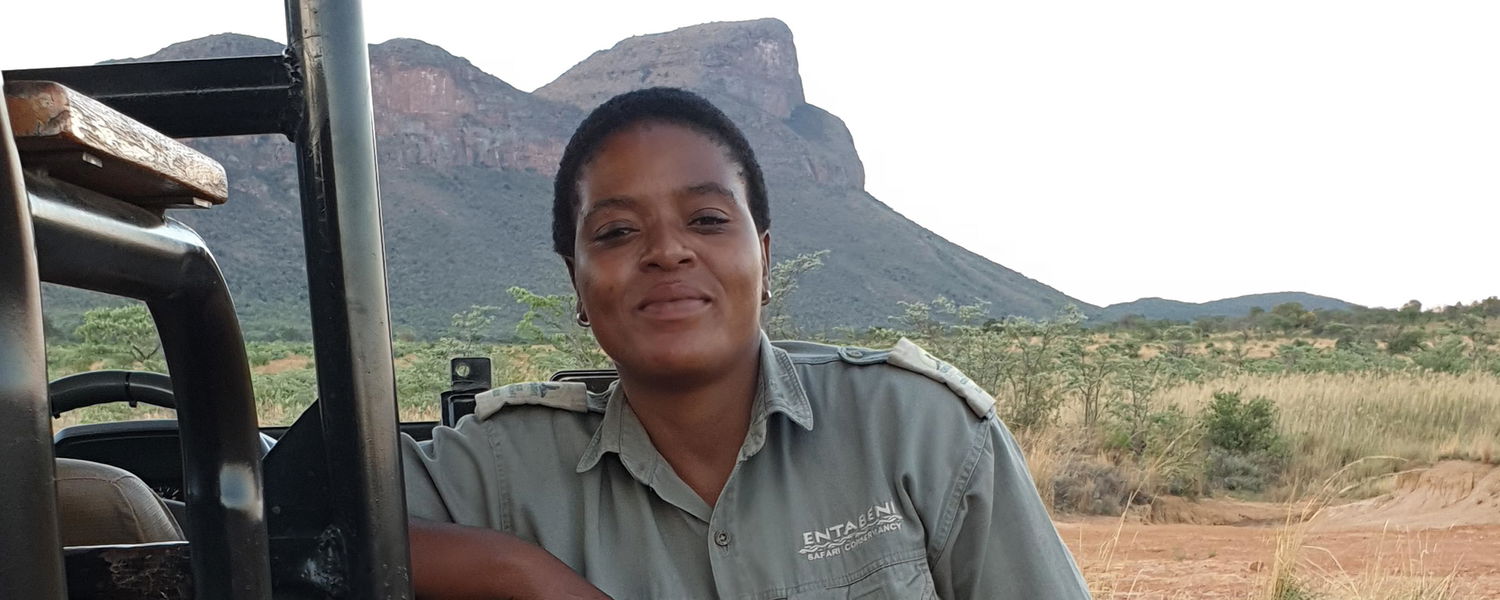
(669, 105)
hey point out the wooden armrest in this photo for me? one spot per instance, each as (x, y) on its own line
(80, 140)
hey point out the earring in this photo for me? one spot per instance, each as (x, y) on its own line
(765, 296)
(582, 319)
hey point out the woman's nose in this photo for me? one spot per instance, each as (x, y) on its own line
(666, 250)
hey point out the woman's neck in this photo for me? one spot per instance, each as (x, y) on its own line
(697, 426)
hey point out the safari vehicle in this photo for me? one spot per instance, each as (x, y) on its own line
(315, 510)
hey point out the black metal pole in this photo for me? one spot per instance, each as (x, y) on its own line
(347, 294)
(90, 241)
(31, 547)
(241, 95)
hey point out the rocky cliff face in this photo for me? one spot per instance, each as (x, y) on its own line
(754, 62)
(466, 164)
(436, 110)
(749, 70)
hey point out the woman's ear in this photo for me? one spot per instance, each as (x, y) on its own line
(580, 315)
(765, 260)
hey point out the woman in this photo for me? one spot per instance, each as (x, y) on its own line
(720, 465)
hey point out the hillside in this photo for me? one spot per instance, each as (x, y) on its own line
(1239, 306)
(466, 164)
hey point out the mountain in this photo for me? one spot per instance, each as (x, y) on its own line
(1239, 306)
(466, 162)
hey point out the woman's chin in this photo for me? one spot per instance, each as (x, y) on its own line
(681, 355)
(683, 352)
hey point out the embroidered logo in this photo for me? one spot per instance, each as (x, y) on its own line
(845, 537)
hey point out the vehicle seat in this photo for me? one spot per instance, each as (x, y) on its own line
(100, 504)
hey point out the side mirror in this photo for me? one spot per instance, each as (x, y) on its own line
(467, 376)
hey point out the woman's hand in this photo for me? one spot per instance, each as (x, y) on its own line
(455, 562)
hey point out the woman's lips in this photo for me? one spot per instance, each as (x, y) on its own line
(674, 300)
(676, 308)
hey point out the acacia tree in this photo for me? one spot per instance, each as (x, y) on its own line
(1030, 369)
(785, 277)
(1138, 381)
(1290, 316)
(126, 331)
(423, 372)
(1411, 312)
(549, 321)
(1088, 371)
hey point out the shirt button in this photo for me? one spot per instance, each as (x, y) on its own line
(722, 539)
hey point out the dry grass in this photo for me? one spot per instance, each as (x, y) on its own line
(1302, 571)
(1047, 453)
(1333, 420)
(1402, 576)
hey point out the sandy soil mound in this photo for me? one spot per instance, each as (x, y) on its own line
(1212, 511)
(1451, 493)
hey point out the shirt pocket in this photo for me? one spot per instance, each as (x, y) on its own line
(898, 580)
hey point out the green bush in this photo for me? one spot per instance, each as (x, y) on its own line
(1405, 341)
(1238, 426)
(1245, 450)
(1447, 356)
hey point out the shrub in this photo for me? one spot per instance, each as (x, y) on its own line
(1404, 341)
(1245, 450)
(1238, 426)
(1446, 356)
(1248, 472)
(1091, 488)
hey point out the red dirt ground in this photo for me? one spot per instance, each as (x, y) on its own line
(1222, 561)
(1439, 524)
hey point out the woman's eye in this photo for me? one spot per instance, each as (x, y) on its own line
(610, 233)
(708, 220)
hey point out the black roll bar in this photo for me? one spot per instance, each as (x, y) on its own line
(90, 241)
(317, 94)
(345, 253)
(29, 518)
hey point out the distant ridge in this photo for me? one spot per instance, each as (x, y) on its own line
(466, 165)
(1238, 306)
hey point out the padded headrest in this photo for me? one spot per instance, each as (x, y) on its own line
(99, 504)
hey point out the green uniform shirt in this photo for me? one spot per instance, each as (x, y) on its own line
(857, 479)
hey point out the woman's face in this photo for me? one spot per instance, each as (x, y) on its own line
(667, 262)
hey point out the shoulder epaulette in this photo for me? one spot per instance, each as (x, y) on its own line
(565, 395)
(911, 357)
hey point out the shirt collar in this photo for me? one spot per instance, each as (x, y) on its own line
(778, 390)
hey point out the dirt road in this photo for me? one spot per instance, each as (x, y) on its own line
(1200, 561)
(1438, 530)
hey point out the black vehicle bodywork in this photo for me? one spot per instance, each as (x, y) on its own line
(323, 514)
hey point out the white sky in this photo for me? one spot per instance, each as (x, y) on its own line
(1189, 149)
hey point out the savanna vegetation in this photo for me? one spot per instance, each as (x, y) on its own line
(1269, 405)
(1286, 404)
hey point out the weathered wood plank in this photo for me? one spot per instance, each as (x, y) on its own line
(80, 140)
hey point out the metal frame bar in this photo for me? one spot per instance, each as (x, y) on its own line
(90, 241)
(29, 520)
(347, 293)
(318, 95)
(189, 98)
